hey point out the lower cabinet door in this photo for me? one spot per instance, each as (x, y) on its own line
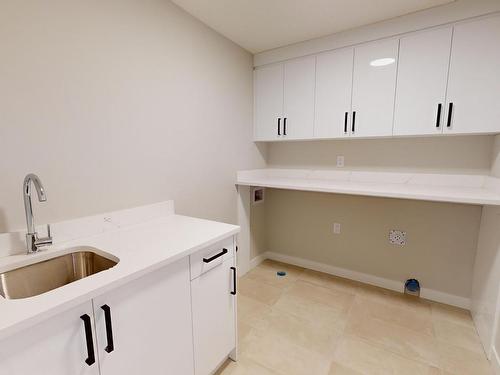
(214, 316)
(144, 327)
(57, 346)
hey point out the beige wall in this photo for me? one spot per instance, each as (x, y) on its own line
(441, 237)
(120, 103)
(460, 154)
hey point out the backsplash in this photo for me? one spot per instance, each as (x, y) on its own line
(14, 243)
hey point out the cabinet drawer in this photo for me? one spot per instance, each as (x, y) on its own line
(210, 257)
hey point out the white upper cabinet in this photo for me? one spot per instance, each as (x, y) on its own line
(268, 101)
(440, 81)
(333, 94)
(374, 87)
(298, 109)
(284, 100)
(474, 79)
(421, 84)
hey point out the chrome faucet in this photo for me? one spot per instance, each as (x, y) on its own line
(33, 242)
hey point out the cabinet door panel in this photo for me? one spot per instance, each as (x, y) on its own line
(333, 93)
(299, 98)
(213, 317)
(268, 84)
(421, 84)
(56, 346)
(474, 80)
(374, 87)
(151, 324)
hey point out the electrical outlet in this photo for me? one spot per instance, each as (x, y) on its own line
(336, 228)
(397, 237)
(340, 161)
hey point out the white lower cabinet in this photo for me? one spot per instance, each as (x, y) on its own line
(142, 327)
(150, 320)
(57, 346)
(214, 316)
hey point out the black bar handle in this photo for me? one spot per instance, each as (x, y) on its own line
(438, 117)
(346, 115)
(279, 126)
(90, 341)
(450, 111)
(284, 126)
(208, 260)
(109, 329)
(353, 121)
(234, 281)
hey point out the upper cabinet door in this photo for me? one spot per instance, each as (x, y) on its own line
(298, 110)
(333, 94)
(474, 80)
(268, 101)
(421, 84)
(374, 86)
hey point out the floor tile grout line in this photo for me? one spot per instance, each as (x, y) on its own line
(357, 296)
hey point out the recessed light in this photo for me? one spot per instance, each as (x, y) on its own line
(383, 62)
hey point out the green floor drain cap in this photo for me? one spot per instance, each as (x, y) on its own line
(281, 273)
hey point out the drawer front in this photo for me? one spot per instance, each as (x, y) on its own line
(210, 257)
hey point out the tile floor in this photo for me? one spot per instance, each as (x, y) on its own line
(310, 323)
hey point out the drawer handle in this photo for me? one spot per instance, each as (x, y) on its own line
(234, 281)
(109, 328)
(90, 341)
(208, 260)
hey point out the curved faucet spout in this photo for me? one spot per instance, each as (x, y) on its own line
(32, 240)
(31, 177)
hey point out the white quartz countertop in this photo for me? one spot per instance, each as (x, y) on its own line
(467, 189)
(141, 248)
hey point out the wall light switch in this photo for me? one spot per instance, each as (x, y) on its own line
(340, 161)
(336, 228)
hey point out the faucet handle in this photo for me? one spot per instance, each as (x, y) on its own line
(44, 241)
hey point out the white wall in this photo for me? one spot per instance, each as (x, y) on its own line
(120, 103)
(486, 283)
(451, 12)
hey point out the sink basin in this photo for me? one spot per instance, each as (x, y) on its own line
(38, 278)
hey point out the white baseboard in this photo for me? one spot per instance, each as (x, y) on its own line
(495, 361)
(395, 285)
(257, 260)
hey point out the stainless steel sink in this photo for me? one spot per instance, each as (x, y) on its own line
(53, 273)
